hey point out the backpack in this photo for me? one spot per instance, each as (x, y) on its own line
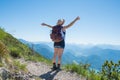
(57, 34)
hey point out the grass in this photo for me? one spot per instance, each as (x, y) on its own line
(1, 64)
(85, 71)
(37, 58)
(3, 49)
(17, 49)
(11, 49)
(4, 54)
(78, 68)
(19, 66)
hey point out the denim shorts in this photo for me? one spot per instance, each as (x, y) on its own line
(60, 44)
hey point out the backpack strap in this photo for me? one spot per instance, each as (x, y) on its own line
(62, 32)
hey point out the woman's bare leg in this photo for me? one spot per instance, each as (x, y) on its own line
(60, 52)
(55, 54)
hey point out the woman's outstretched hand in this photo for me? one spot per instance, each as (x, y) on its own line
(78, 18)
(43, 24)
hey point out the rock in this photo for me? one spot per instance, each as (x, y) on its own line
(4, 73)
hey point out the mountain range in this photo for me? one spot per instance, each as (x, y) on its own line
(95, 55)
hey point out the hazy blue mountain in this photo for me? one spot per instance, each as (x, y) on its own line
(41, 48)
(106, 46)
(46, 50)
(92, 54)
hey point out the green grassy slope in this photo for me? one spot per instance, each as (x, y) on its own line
(11, 50)
(16, 49)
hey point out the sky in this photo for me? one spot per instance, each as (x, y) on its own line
(99, 19)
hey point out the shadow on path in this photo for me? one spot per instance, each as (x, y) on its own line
(49, 75)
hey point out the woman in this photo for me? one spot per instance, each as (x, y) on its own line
(59, 46)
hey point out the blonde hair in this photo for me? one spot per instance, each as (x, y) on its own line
(63, 21)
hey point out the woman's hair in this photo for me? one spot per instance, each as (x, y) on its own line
(63, 21)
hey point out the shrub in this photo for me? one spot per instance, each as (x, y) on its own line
(15, 53)
(111, 70)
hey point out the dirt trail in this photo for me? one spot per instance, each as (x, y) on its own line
(43, 71)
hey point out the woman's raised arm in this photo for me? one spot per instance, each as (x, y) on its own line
(44, 24)
(69, 25)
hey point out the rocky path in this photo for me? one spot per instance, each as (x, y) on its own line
(44, 72)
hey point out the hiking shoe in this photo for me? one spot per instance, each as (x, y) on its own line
(54, 66)
(58, 67)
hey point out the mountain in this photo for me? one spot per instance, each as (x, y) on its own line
(107, 46)
(12, 55)
(15, 48)
(92, 54)
(20, 62)
(41, 48)
(96, 56)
